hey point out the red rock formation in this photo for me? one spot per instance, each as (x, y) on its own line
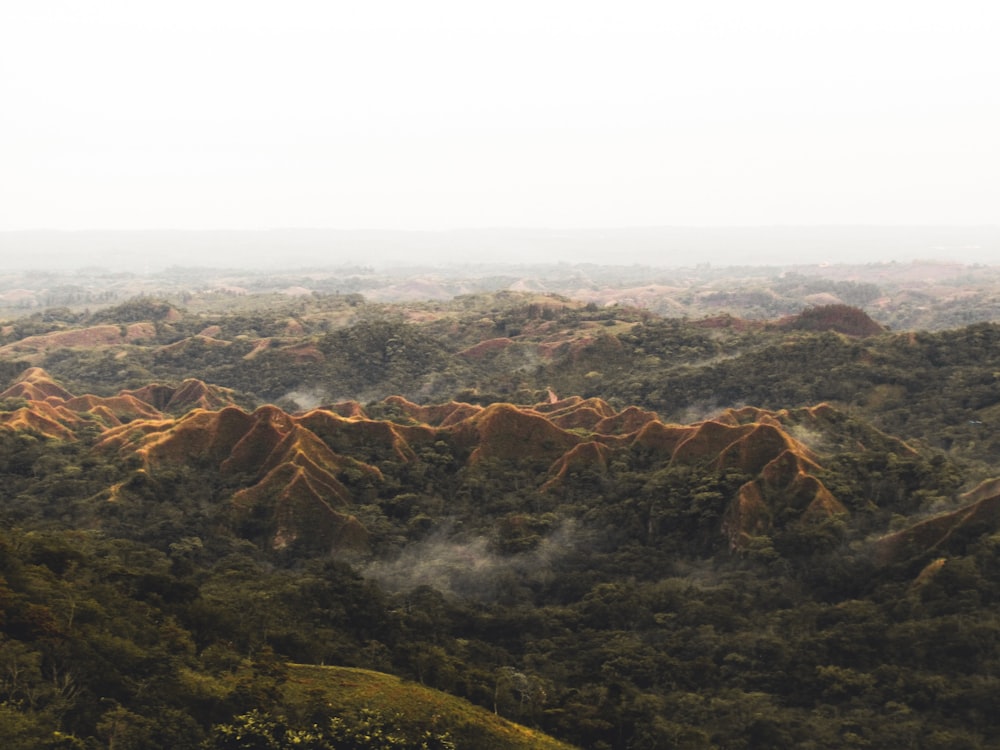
(42, 418)
(438, 415)
(575, 412)
(346, 409)
(502, 431)
(95, 336)
(301, 507)
(298, 471)
(382, 439)
(35, 385)
(190, 394)
(662, 439)
(589, 456)
(484, 348)
(938, 533)
(179, 347)
(56, 413)
(292, 474)
(624, 422)
(845, 319)
(115, 409)
(747, 516)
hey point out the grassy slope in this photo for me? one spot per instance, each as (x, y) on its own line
(348, 690)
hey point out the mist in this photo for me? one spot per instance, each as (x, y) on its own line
(469, 567)
(145, 252)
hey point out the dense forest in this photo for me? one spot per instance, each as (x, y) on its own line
(620, 529)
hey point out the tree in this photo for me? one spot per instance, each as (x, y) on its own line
(368, 730)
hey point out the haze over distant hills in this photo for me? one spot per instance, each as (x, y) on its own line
(153, 250)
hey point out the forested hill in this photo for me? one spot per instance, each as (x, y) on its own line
(622, 530)
(939, 387)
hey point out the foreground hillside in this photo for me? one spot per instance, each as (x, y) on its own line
(349, 691)
(759, 577)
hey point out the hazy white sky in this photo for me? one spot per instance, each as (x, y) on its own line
(125, 114)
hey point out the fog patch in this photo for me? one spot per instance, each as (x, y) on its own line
(303, 399)
(469, 567)
(705, 411)
(808, 436)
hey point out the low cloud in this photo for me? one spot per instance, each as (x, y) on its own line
(470, 568)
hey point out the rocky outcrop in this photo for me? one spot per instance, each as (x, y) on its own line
(303, 473)
(485, 348)
(190, 394)
(53, 411)
(92, 337)
(35, 384)
(292, 476)
(506, 432)
(946, 533)
(840, 318)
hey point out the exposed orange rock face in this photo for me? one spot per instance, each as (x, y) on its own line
(783, 470)
(841, 318)
(294, 327)
(929, 571)
(630, 420)
(662, 439)
(267, 430)
(112, 410)
(94, 336)
(346, 409)
(42, 418)
(194, 394)
(35, 385)
(708, 440)
(292, 475)
(56, 413)
(752, 512)
(261, 345)
(302, 353)
(574, 412)
(190, 394)
(503, 431)
(199, 437)
(140, 331)
(439, 415)
(302, 507)
(179, 347)
(938, 533)
(590, 456)
(747, 516)
(484, 348)
(157, 394)
(301, 471)
(380, 439)
(728, 321)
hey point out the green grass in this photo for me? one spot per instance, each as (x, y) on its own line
(348, 690)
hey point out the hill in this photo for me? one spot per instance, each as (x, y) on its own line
(347, 691)
(300, 478)
(511, 347)
(619, 529)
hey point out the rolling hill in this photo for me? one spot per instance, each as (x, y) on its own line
(618, 529)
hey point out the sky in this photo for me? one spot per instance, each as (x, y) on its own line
(444, 114)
